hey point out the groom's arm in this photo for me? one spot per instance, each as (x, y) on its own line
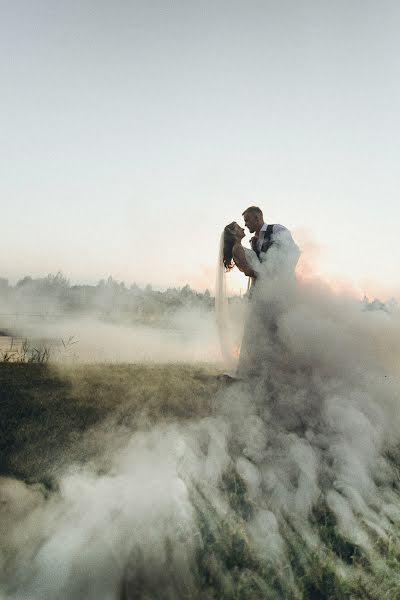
(241, 262)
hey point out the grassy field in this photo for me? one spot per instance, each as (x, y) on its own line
(46, 412)
(47, 417)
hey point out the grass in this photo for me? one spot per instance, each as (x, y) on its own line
(45, 411)
(26, 353)
(47, 415)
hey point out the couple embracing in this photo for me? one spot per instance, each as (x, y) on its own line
(270, 264)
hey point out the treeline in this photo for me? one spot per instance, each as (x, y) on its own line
(376, 304)
(108, 298)
(113, 299)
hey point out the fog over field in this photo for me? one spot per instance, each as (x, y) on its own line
(189, 337)
(111, 322)
(235, 504)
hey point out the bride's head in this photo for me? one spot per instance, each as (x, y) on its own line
(232, 233)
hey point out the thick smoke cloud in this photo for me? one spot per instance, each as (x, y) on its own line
(318, 427)
(190, 336)
(108, 322)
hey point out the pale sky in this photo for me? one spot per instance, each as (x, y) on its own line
(133, 131)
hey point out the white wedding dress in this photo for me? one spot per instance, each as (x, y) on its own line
(253, 325)
(252, 260)
(263, 309)
(227, 332)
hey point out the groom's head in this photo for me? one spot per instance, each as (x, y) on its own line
(253, 219)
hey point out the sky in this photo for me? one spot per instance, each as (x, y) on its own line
(133, 131)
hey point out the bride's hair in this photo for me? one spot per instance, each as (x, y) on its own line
(229, 240)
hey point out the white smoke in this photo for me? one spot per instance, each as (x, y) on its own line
(318, 426)
(190, 336)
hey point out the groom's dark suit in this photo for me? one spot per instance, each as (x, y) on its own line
(266, 241)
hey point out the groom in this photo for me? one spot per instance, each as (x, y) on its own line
(268, 236)
(275, 247)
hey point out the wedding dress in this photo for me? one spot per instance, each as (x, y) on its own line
(249, 348)
(224, 322)
(269, 294)
(252, 260)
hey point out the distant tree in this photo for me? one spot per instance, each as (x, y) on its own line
(25, 281)
(376, 304)
(186, 291)
(134, 288)
(53, 285)
(57, 281)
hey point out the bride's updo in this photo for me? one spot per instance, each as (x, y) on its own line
(229, 241)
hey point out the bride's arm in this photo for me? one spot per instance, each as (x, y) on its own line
(241, 262)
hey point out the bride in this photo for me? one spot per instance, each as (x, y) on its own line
(234, 254)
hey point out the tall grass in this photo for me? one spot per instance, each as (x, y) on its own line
(25, 352)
